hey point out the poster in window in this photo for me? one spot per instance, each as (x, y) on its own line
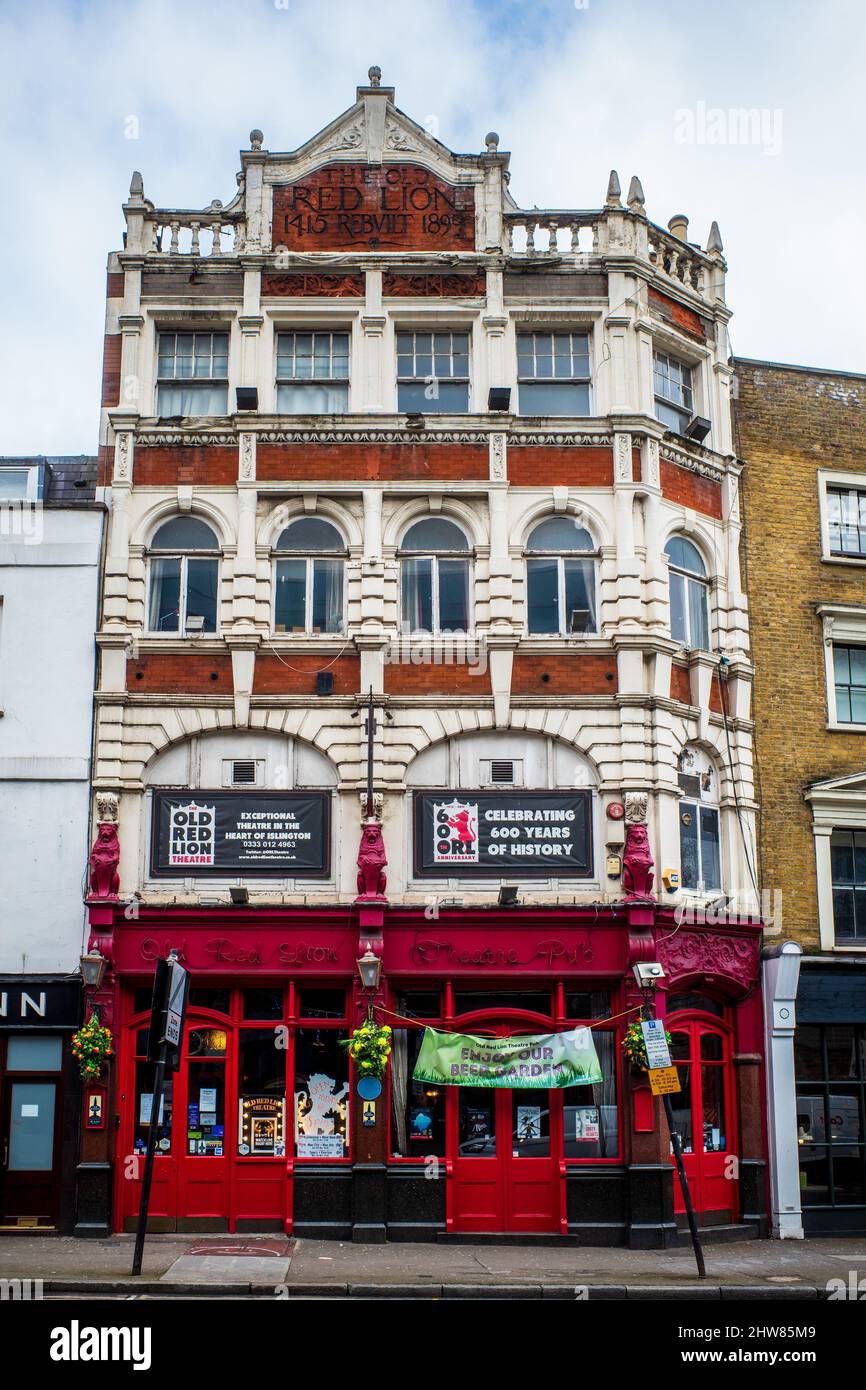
(420, 1123)
(262, 833)
(526, 834)
(586, 1129)
(528, 1122)
(262, 1126)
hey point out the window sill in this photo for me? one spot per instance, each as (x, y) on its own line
(833, 727)
(855, 561)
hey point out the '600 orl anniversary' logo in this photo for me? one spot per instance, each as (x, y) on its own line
(455, 832)
(191, 834)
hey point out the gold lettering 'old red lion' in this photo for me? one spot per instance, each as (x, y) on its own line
(387, 206)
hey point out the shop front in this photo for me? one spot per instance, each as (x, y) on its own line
(261, 1127)
(39, 1101)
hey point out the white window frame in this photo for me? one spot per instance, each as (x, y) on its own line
(451, 326)
(308, 594)
(31, 493)
(839, 804)
(435, 556)
(844, 625)
(828, 479)
(674, 357)
(532, 330)
(561, 556)
(281, 329)
(688, 576)
(176, 327)
(183, 556)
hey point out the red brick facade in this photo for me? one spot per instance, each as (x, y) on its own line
(554, 673)
(358, 462)
(691, 490)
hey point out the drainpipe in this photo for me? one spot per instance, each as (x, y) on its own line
(781, 970)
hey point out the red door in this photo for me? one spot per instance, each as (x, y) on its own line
(704, 1114)
(195, 1134)
(505, 1145)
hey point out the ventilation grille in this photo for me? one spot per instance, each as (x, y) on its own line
(243, 772)
(501, 770)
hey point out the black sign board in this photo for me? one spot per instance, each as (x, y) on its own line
(34, 1001)
(464, 834)
(283, 834)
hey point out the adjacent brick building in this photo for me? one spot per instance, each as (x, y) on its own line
(802, 435)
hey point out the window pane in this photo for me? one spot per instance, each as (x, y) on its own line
(699, 625)
(710, 862)
(842, 856)
(436, 397)
(674, 419)
(31, 1127)
(31, 1053)
(13, 482)
(453, 595)
(319, 398)
(559, 533)
(841, 668)
(681, 1103)
(841, 1053)
(184, 533)
(579, 596)
(857, 661)
(192, 400)
(144, 1075)
(434, 533)
(327, 596)
(164, 608)
(419, 1004)
(476, 1123)
(807, 1052)
(201, 594)
(689, 865)
(263, 1003)
(843, 914)
(679, 628)
(323, 1003)
(553, 398)
(321, 1093)
(583, 1004)
(591, 1128)
(205, 1109)
(310, 533)
(417, 595)
(468, 1001)
(417, 1107)
(530, 1124)
(289, 602)
(713, 1106)
(542, 595)
(261, 1093)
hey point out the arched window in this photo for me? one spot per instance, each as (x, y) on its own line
(308, 583)
(700, 858)
(689, 594)
(560, 578)
(434, 563)
(184, 575)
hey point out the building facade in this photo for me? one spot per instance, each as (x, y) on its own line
(800, 432)
(50, 552)
(424, 631)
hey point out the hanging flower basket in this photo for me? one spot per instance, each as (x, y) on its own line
(634, 1047)
(91, 1045)
(369, 1048)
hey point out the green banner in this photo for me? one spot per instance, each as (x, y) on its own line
(549, 1059)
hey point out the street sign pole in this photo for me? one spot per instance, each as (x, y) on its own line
(164, 1042)
(676, 1144)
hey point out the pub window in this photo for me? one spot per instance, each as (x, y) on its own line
(417, 1107)
(849, 680)
(308, 582)
(434, 566)
(560, 579)
(192, 374)
(590, 1113)
(700, 860)
(433, 373)
(312, 373)
(674, 397)
(846, 520)
(144, 1116)
(468, 1001)
(261, 1094)
(183, 578)
(323, 1003)
(588, 1004)
(830, 1070)
(265, 1002)
(419, 1003)
(208, 997)
(848, 867)
(689, 594)
(321, 1094)
(553, 373)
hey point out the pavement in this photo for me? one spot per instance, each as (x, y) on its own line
(280, 1267)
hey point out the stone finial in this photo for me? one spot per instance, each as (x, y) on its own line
(714, 241)
(374, 76)
(136, 185)
(491, 140)
(613, 190)
(679, 226)
(636, 199)
(256, 139)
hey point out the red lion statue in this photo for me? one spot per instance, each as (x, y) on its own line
(371, 862)
(104, 859)
(637, 868)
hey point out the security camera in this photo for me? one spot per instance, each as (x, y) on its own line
(648, 973)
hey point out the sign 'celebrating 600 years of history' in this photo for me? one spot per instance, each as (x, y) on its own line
(211, 832)
(389, 206)
(465, 833)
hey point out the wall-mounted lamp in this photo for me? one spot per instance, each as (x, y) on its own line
(93, 966)
(370, 970)
(508, 895)
(240, 896)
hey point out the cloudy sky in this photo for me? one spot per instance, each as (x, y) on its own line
(92, 89)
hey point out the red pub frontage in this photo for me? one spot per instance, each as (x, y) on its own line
(262, 1129)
